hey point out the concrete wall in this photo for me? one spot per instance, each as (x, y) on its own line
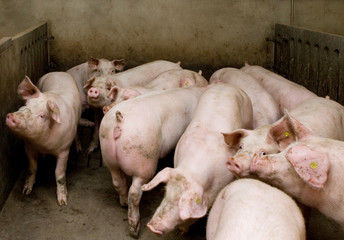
(202, 34)
(199, 33)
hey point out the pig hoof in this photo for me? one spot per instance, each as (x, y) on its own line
(62, 200)
(27, 190)
(134, 231)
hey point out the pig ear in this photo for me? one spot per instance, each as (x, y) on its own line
(130, 93)
(93, 63)
(232, 139)
(89, 83)
(109, 83)
(162, 176)
(27, 89)
(286, 131)
(312, 166)
(191, 203)
(113, 94)
(119, 64)
(54, 111)
(185, 82)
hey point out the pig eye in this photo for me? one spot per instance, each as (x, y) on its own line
(262, 153)
(41, 116)
(113, 71)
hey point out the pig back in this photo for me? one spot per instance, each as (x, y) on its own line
(161, 115)
(323, 117)
(142, 74)
(250, 209)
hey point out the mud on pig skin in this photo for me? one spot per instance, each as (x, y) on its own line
(250, 209)
(321, 116)
(191, 190)
(48, 124)
(136, 133)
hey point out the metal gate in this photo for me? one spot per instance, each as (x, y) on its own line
(23, 54)
(312, 59)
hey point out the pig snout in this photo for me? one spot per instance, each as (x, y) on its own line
(234, 166)
(11, 120)
(93, 92)
(153, 229)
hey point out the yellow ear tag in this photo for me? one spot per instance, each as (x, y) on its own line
(314, 165)
(187, 83)
(286, 134)
(198, 200)
(56, 111)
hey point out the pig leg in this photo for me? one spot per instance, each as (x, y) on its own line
(98, 115)
(32, 156)
(135, 194)
(119, 181)
(60, 176)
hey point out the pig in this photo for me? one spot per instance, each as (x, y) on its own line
(81, 73)
(250, 209)
(199, 171)
(286, 93)
(98, 88)
(314, 113)
(310, 170)
(136, 133)
(47, 123)
(93, 67)
(167, 80)
(265, 109)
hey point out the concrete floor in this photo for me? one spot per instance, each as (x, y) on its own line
(93, 211)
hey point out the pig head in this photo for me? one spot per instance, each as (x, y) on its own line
(182, 203)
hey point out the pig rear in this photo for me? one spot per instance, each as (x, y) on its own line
(136, 133)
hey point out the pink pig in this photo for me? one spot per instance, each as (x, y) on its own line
(135, 134)
(98, 87)
(93, 67)
(287, 94)
(265, 109)
(48, 124)
(310, 169)
(167, 80)
(314, 113)
(250, 209)
(199, 171)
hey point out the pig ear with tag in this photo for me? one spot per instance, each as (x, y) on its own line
(161, 177)
(89, 83)
(232, 139)
(311, 165)
(27, 89)
(54, 111)
(286, 131)
(119, 64)
(93, 63)
(185, 82)
(191, 203)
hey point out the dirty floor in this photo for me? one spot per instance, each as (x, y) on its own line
(93, 211)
